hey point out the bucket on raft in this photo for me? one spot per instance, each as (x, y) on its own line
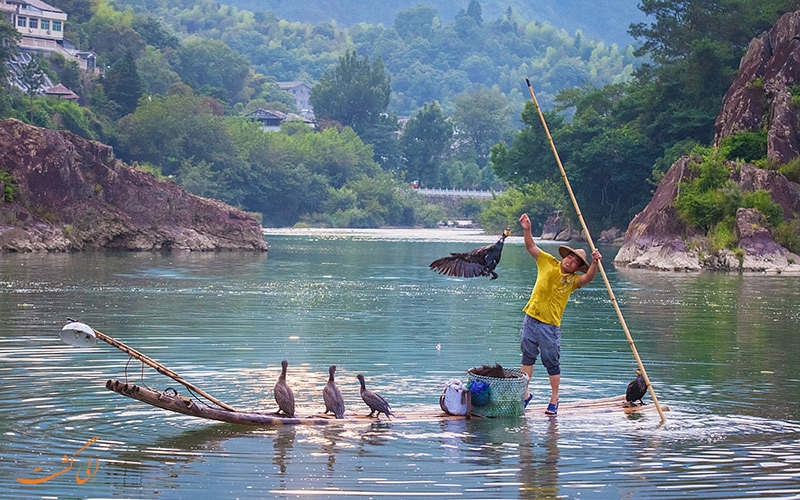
(505, 394)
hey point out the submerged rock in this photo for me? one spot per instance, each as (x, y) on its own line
(73, 195)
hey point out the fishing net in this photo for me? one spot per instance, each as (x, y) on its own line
(505, 395)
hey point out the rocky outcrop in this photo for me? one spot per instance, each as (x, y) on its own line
(560, 228)
(554, 224)
(658, 239)
(761, 93)
(73, 195)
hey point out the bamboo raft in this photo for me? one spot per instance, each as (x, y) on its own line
(184, 405)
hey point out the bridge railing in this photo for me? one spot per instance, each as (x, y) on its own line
(461, 193)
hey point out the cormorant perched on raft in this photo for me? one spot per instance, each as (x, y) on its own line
(479, 262)
(283, 394)
(636, 390)
(332, 396)
(375, 402)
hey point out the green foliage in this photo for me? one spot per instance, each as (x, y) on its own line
(483, 118)
(745, 146)
(701, 202)
(374, 202)
(211, 65)
(758, 83)
(788, 235)
(356, 94)
(538, 200)
(710, 200)
(9, 36)
(791, 170)
(165, 130)
(425, 140)
(762, 201)
(722, 235)
(470, 208)
(123, 85)
(10, 191)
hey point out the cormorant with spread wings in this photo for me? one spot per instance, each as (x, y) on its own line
(479, 262)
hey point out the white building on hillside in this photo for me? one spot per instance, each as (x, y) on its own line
(42, 29)
(302, 96)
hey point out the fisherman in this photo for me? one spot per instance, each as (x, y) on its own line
(541, 327)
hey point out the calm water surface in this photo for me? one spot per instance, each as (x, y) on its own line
(721, 351)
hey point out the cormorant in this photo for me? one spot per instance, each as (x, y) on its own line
(636, 390)
(283, 394)
(479, 262)
(332, 396)
(375, 402)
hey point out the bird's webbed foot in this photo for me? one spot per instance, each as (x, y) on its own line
(494, 276)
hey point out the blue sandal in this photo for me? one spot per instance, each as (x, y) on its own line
(552, 409)
(528, 400)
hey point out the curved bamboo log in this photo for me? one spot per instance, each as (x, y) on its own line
(158, 367)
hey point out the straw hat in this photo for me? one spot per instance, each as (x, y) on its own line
(580, 253)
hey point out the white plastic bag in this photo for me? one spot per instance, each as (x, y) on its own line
(454, 398)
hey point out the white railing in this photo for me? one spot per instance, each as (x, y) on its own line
(461, 193)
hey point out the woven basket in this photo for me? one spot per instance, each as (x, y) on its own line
(506, 396)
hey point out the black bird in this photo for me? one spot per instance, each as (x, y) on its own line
(283, 394)
(332, 396)
(636, 390)
(375, 402)
(479, 262)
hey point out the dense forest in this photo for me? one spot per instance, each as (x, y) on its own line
(179, 77)
(604, 20)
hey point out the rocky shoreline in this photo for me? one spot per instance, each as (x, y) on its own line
(71, 194)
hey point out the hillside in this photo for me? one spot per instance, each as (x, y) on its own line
(604, 20)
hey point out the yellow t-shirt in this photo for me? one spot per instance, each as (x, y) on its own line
(551, 291)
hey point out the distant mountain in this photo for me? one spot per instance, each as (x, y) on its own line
(605, 20)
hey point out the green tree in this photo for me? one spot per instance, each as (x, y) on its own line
(482, 118)
(9, 36)
(356, 94)
(206, 65)
(112, 41)
(425, 140)
(123, 85)
(32, 76)
(416, 22)
(154, 32)
(474, 11)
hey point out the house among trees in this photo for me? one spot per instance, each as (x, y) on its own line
(302, 96)
(42, 29)
(271, 119)
(61, 92)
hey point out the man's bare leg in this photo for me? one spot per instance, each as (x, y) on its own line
(527, 370)
(554, 381)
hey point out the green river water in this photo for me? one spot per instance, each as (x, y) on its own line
(722, 351)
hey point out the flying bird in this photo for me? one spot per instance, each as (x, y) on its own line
(479, 262)
(283, 394)
(636, 390)
(332, 396)
(374, 400)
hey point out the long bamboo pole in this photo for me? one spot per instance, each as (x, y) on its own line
(157, 366)
(599, 263)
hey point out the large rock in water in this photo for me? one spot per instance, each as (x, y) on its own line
(762, 91)
(658, 239)
(73, 195)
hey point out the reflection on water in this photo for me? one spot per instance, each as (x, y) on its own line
(718, 348)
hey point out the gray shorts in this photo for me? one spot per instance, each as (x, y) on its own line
(536, 337)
